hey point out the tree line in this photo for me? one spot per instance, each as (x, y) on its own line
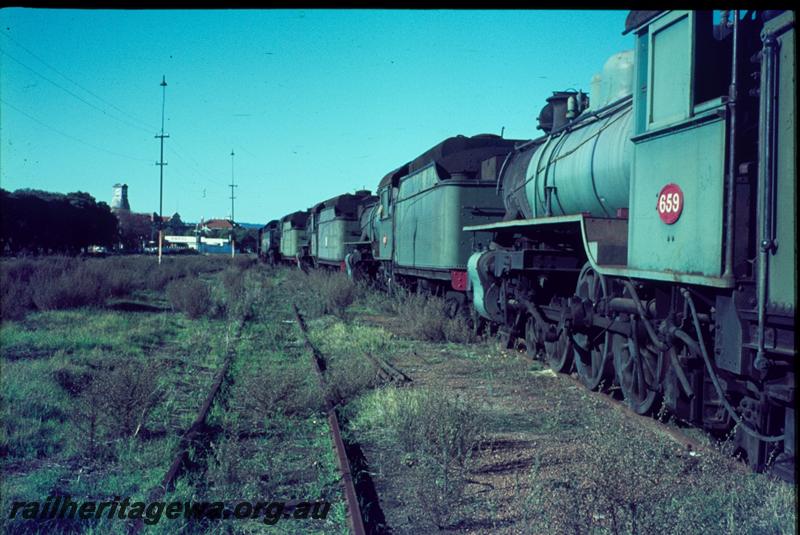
(43, 222)
(37, 221)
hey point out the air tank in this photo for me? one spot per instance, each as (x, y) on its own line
(584, 166)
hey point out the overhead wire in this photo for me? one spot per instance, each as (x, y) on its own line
(71, 93)
(69, 136)
(95, 95)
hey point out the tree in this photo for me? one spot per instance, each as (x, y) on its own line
(133, 229)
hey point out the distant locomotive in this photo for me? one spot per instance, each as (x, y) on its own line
(333, 227)
(649, 240)
(269, 242)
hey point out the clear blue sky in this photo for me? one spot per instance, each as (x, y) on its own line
(314, 103)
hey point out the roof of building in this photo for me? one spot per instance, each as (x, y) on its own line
(218, 224)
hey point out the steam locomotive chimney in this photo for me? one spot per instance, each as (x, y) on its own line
(554, 114)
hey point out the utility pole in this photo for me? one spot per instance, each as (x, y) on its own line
(161, 165)
(233, 248)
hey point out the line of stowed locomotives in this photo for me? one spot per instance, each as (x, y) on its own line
(646, 241)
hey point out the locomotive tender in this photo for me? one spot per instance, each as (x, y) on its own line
(649, 237)
(646, 240)
(413, 236)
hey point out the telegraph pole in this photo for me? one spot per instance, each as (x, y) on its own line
(161, 165)
(233, 248)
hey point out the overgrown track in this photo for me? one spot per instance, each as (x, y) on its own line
(197, 432)
(387, 372)
(353, 508)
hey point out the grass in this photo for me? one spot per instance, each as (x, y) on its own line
(94, 400)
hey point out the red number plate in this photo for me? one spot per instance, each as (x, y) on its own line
(670, 203)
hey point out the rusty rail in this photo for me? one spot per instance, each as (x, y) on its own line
(195, 431)
(355, 519)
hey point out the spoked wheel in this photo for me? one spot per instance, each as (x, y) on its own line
(559, 353)
(534, 346)
(593, 360)
(639, 371)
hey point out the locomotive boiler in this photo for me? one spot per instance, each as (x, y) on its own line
(649, 236)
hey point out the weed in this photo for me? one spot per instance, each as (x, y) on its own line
(280, 388)
(426, 319)
(438, 435)
(190, 296)
(320, 292)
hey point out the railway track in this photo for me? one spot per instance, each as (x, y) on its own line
(354, 518)
(387, 372)
(196, 433)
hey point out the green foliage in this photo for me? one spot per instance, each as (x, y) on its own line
(437, 434)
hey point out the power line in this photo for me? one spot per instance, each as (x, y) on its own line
(95, 95)
(57, 131)
(42, 76)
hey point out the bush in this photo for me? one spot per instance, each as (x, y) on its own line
(426, 318)
(285, 389)
(320, 292)
(55, 288)
(112, 402)
(438, 435)
(190, 296)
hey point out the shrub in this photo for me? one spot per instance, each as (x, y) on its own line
(55, 288)
(320, 292)
(426, 318)
(190, 296)
(438, 434)
(281, 389)
(16, 300)
(113, 402)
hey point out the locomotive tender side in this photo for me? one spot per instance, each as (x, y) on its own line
(415, 233)
(691, 300)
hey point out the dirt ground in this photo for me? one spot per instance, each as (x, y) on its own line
(555, 458)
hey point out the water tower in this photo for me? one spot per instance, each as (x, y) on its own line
(120, 199)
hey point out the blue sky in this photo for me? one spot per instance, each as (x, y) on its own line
(314, 103)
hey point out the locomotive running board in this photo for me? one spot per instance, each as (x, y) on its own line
(613, 234)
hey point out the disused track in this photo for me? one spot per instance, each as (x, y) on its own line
(387, 372)
(354, 517)
(197, 431)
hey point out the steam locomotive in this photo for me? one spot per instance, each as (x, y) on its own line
(645, 241)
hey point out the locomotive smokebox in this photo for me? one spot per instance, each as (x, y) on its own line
(585, 169)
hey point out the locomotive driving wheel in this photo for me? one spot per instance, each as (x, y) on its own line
(558, 349)
(593, 360)
(639, 371)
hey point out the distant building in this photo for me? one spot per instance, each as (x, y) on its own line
(119, 201)
(215, 224)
